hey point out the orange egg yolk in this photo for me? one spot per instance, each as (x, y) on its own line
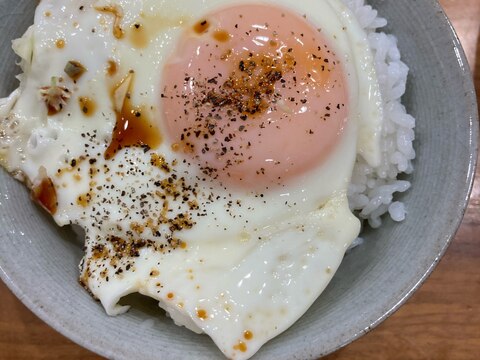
(254, 95)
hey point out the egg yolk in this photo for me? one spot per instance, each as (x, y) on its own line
(254, 95)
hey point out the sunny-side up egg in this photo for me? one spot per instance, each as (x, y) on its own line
(206, 156)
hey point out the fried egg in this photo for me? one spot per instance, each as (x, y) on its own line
(206, 156)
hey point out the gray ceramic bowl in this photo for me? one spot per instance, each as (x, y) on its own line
(39, 261)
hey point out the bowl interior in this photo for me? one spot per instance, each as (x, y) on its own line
(39, 261)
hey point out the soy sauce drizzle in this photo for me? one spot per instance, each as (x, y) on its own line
(133, 128)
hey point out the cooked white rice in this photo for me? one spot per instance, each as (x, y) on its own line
(372, 189)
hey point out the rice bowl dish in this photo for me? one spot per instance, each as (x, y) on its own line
(370, 192)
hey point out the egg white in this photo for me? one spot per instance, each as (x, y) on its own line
(249, 268)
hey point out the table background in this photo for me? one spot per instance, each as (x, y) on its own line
(441, 321)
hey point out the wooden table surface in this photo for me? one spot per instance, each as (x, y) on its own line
(441, 321)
